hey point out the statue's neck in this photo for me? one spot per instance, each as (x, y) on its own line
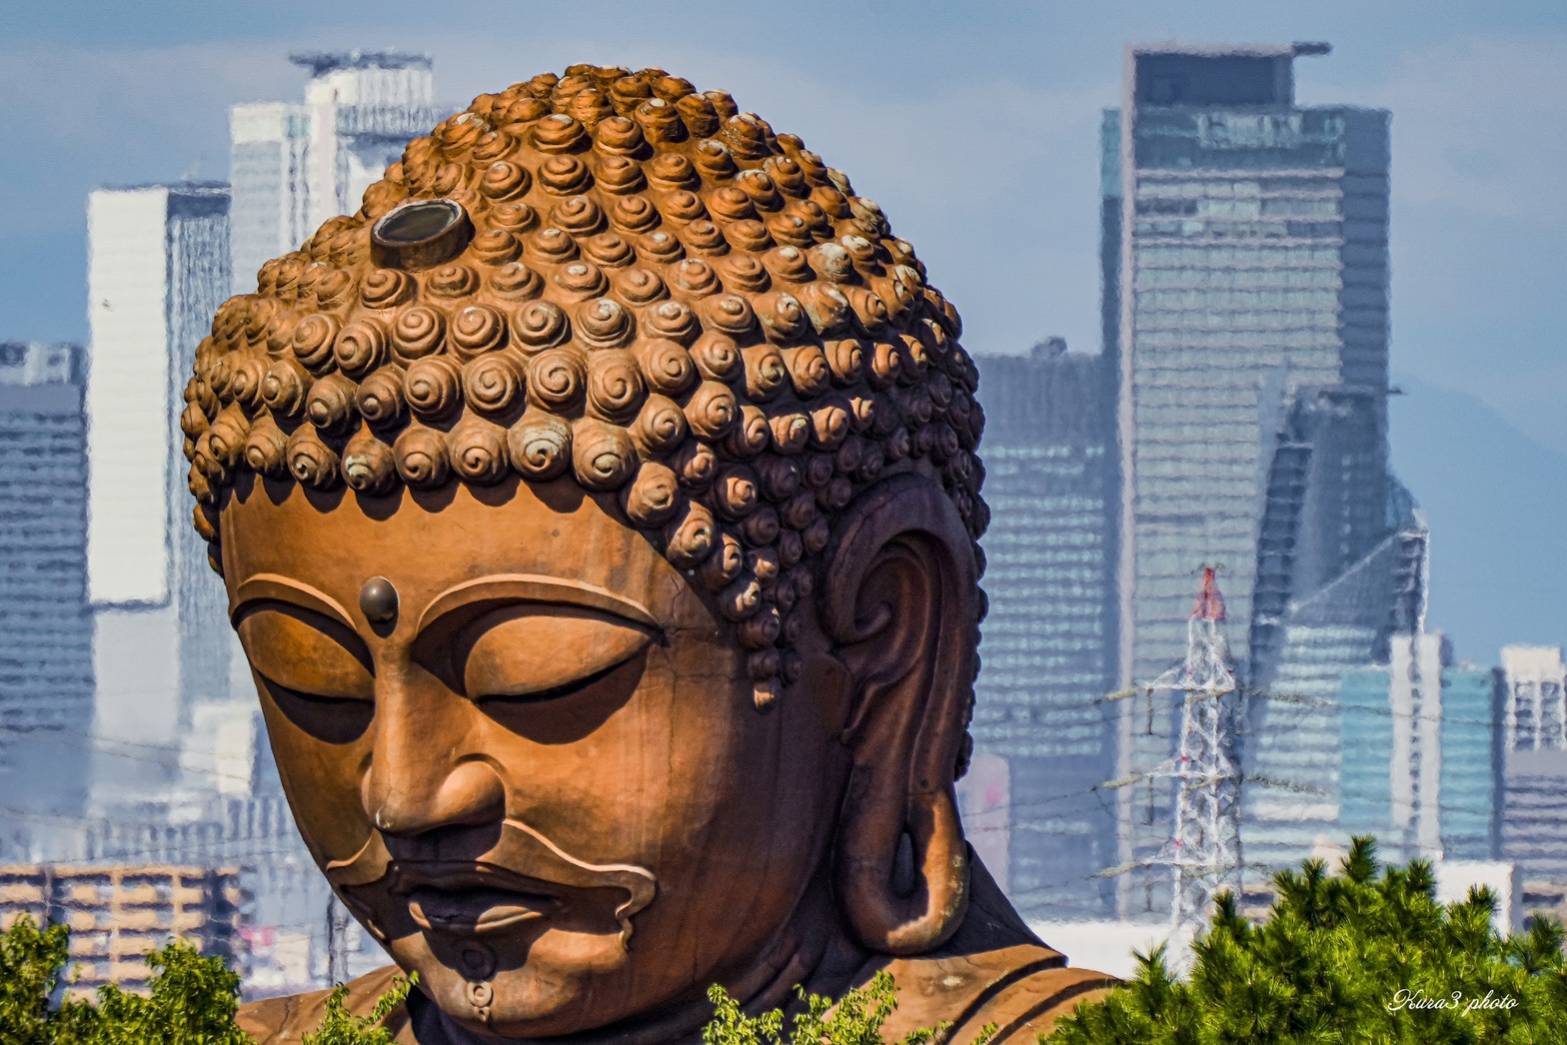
(812, 950)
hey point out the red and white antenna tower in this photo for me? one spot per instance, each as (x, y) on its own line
(1204, 852)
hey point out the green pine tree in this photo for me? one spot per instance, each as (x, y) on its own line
(1353, 957)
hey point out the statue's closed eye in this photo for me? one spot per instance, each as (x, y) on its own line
(524, 650)
(487, 649)
(305, 652)
(314, 670)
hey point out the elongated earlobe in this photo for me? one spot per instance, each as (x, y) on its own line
(918, 917)
(901, 618)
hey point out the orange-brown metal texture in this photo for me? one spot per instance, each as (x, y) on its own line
(612, 418)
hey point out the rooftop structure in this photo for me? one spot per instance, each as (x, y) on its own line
(320, 63)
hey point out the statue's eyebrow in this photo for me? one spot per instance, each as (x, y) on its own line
(528, 587)
(274, 587)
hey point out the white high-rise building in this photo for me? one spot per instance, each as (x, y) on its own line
(158, 258)
(1536, 698)
(1534, 752)
(267, 171)
(294, 165)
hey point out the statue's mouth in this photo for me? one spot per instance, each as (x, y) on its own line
(477, 892)
(470, 898)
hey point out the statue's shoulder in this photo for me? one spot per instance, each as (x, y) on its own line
(276, 1021)
(1022, 990)
(994, 970)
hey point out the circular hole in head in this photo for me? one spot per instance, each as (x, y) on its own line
(417, 222)
(421, 233)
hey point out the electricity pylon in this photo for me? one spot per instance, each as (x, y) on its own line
(1204, 851)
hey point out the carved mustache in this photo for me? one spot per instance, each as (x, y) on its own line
(521, 850)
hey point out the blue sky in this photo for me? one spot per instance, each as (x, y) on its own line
(974, 125)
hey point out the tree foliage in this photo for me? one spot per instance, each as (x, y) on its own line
(341, 1027)
(1367, 955)
(856, 1019)
(192, 1000)
(30, 963)
(1353, 957)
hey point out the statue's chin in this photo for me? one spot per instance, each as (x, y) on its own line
(575, 985)
(522, 1006)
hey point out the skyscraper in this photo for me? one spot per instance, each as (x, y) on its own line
(157, 270)
(46, 672)
(294, 165)
(1245, 259)
(1341, 570)
(1048, 640)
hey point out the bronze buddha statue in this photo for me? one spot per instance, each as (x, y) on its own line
(598, 509)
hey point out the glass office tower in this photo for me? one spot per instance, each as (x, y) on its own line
(1246, 261)
(46, 669)
(1418, 764)
(1048, 643)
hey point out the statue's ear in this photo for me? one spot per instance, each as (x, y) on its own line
(900, 607)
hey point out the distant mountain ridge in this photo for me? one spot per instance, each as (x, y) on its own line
(1496, 501)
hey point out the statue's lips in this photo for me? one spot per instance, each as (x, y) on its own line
(472, 898)
(564, 878)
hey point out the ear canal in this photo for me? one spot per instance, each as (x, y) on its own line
(884, 918)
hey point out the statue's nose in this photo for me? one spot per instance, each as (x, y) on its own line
(468, 795)
(423, 774)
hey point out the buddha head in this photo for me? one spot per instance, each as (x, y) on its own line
(597, 511)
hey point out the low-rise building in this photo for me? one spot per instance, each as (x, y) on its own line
(120, 914)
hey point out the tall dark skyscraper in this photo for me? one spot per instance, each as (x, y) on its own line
(1048, 641)
(46, 667)
(1245, 254)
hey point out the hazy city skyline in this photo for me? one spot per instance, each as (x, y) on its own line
(119, 97)
(1063, 66)
(1007, 171)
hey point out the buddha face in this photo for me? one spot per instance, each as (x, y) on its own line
(524, 748)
